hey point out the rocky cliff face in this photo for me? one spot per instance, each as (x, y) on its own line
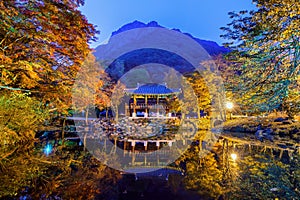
(124, 63)
(210, 46)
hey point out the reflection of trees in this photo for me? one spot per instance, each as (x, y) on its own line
(20, 117)
(252, 175)
(66, 173)
(264, 177)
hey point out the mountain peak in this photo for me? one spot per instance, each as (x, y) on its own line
(135, 24)
(210, 46)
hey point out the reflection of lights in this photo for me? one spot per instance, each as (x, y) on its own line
(233, 156)
(48, 149)
(229, 105)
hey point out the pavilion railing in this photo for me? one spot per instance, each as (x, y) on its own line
(149, 106)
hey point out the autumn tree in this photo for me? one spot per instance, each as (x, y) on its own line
(201, 90)
(88, 86)
(43, 44)
(117, 97)
(214, 88)
(265, 54)
(21, 116)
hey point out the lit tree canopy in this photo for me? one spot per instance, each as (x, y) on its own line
(42, 44)
(266, 53)
(88, 88)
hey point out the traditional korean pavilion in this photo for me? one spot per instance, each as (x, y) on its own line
(149, 100)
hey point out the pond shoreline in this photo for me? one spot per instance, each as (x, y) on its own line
(278, 128)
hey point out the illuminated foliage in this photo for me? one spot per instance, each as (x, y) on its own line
(200, 89)
(267, 178)
(204, 176)
(43, 44)
(251, 176)
(116, 98)
(20, 117)
(88, 86)
(266, 54)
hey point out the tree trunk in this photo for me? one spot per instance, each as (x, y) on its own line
(63, 132)
(86, 116)
(87, 125)
(182, 116)
(84, 141)
(116, 114)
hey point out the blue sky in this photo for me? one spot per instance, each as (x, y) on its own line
(201, 18)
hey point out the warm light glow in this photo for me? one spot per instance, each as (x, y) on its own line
(229, 105)
(233, 156)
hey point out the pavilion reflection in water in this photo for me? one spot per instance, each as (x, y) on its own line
(150, 101)
(135, 149)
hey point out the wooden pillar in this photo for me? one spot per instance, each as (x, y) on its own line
(263, 150)
(157, 144)
(157, 107)
(290, 154)
(133, 160)
(134, 106)
(146, 104)
(170, 144)
(145, 145)
(133, 145)
(115, 146)
(124, 147)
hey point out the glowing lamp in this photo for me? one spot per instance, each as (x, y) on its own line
(229, 105)
(233, 156)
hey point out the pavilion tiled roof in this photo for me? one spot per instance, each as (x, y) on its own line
(153, 88)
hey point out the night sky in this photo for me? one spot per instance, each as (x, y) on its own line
(202, 19)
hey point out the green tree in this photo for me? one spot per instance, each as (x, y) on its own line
(265, 53)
